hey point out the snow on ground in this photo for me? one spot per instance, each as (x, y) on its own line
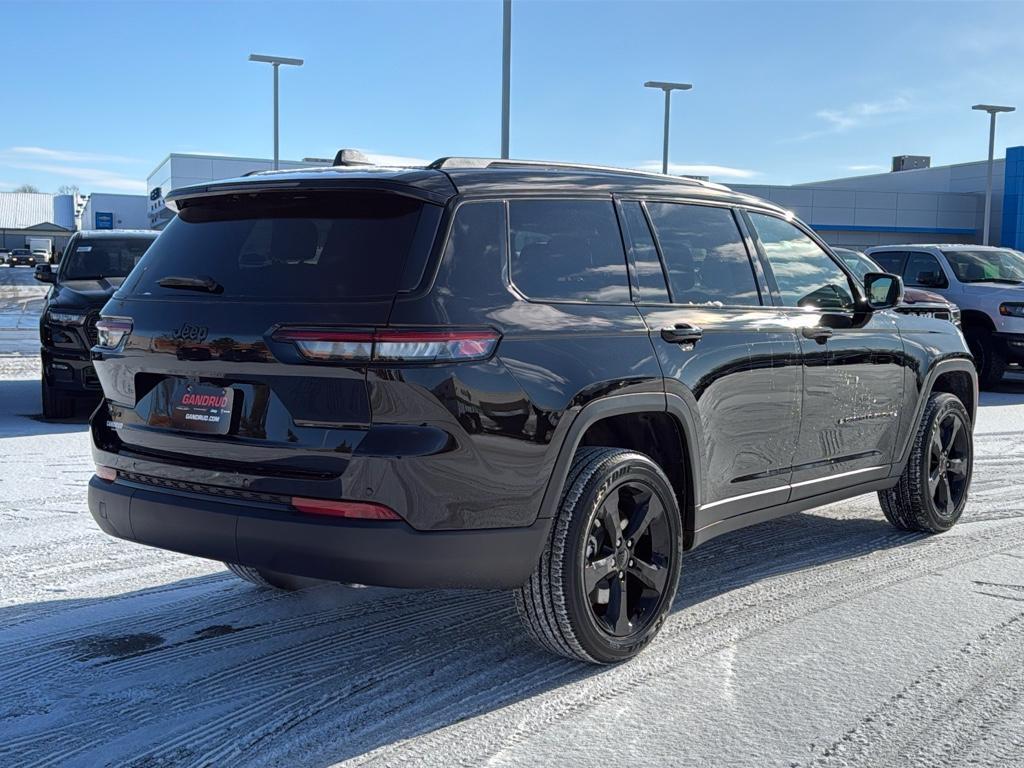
(21, 299)
(826, 638)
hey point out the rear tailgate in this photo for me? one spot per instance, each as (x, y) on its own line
(198, 378)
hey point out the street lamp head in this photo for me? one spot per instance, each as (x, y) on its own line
(275, 60)
(992, 108)
(665, 86)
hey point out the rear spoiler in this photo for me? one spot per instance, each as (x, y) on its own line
(254, 185)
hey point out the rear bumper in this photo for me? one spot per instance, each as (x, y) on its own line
(390, 554)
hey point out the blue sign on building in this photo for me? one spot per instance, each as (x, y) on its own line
(1013, 199)
(104, 220)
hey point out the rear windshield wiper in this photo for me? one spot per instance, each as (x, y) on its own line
(185, 283)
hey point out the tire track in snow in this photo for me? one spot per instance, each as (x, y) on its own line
(690, 636)
(259, 679)
(937, 720)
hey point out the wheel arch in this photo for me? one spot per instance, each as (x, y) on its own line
(632, 421)
(976, 318)
(957, 376)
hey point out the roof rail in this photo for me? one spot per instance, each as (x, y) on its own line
(447, 163)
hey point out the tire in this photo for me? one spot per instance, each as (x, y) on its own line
(56, 404)
(931, 493)
(989, 357)
(605, 489)
(261, 578)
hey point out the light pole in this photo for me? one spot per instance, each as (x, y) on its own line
(667, 88)
(276, 61)
(992, 110)
(506, 73)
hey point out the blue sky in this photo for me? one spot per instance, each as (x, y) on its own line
(96, 94)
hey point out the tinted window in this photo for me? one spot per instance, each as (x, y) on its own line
(650, 275)
(996, 265)
(704, 253)
(805, 274)
(857, 262)
(567, 250)
(923, 269)
(890, 261)
(285, 246)
(92, 258)
(474, 261)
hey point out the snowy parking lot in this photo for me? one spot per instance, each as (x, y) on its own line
(827, 638)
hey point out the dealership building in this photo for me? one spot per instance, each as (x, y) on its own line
(914, 202)
(107, 211)
(183, 169)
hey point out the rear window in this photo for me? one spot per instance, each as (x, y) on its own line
(568, 250)
(295, 246)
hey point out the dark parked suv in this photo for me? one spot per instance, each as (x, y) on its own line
(94, 266)
(554, 379)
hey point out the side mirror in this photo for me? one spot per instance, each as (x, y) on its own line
(44, 274)
(883, 291)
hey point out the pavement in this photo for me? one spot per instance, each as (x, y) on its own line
(823, 639)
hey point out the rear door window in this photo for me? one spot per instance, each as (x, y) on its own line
(924, 270)
(567, 250)
(649, 273)
(890, 261)
(706, 258)
(318, 246)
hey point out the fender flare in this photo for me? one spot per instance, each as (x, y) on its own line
(618, 405)
(949, 365)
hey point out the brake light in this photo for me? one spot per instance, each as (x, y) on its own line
(391, 344)
(352, 510)
(111, 331)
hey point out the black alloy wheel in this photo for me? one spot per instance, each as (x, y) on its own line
(626, 562)
(949, 455)
(605, 582)
(932, 490)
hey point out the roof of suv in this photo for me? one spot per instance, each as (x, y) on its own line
(440, 184)
(122, 233)
(939, 246)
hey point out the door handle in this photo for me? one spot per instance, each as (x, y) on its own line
(819, 334)
(682, 333)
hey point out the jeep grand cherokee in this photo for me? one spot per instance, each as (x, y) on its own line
(553, 379)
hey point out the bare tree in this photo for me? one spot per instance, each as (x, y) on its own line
(27, 188)
(68, 189)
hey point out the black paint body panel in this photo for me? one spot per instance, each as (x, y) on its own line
(773, 421)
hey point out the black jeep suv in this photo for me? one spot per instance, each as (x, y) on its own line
(94, 266)
(554, 379)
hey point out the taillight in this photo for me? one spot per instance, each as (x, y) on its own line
(353, 510)
(111, 331)
(106, 473)
(406, 345)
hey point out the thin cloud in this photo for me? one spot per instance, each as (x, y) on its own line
(856, 115)
(96, 179)
(66, 156)
(688, 169)
(866, 168)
